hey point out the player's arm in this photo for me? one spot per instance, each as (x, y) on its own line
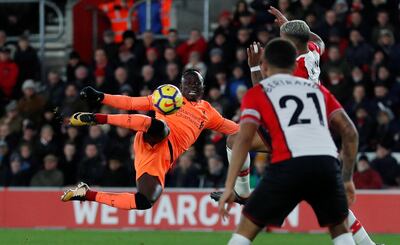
(220, 124)
(121, 102)
(254, 53)
(318, 41)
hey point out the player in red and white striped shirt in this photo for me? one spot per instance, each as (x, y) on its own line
(309, 48)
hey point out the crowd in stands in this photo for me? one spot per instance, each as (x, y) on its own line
(361, 67)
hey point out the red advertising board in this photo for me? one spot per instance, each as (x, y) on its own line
(379, 211)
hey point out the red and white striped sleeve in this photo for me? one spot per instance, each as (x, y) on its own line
(313, 47)
(250, 112)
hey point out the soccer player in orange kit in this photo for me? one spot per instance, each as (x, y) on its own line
(158, 142)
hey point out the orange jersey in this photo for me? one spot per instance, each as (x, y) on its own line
(185, 125)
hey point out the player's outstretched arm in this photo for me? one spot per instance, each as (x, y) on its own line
(341, 124)
(121, 102)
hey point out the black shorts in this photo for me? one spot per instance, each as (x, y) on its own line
(315, 179)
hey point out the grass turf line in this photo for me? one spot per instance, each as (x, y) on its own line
(96, 237)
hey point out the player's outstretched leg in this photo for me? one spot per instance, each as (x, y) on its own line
(149, 190)
(360, 235)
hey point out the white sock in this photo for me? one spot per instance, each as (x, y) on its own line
(360, 235)
(242, 184)
(344, 239)
(238, 239)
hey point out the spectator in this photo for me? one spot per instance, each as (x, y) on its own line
(306, 6)
(245, 20)
(237, 80)
(216, 174)
(96, 136)
(91, 168)
(335, 61)
(127, 59)
(4, 162)
(216, 64)
(12, 118)
(260, 165)
(387, 127)
(172, 39)
(173, 75)
(338, 85)
(152, 58)
(28, 133)
(110, 46)
(220, 41)
(263, 36)
(365, 177)
(69, 163)
(225, 25)
(387, 43)
(115, 174)
(47, 144)
(240, 8)
(74, 61)
(31, 105)
(16, 176)
(358, 99)
(358, 77)
(50, 175)
(195, 43)
(27, 60)
(186, 173)
(72, 103)
(28, 159)
(8, 136)
(356, 22)
(120, 76)
(216, 98)
(386, 165)
(8, 73)
(54, 90)
(149, 78)
(383, 23)
(196, 63)
(365, 125)
(358, 53)
(119, 144)
(83, 78)
(103, 65)
(330, 24)
(243, 38)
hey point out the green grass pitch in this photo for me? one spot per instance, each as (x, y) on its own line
(76, 237)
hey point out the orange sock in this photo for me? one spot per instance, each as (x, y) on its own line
(136, 122)
(119, 200)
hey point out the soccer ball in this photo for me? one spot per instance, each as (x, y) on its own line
(167, 99)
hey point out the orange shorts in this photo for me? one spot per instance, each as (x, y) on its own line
(153, 160)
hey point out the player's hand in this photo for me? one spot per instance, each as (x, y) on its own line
(350, 192)
(225, 203)
(90, 94)
(280, 18)
(254, 53)
(83, 119)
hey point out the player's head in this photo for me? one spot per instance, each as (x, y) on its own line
(192, 85)
(296, 31)
(279, 56)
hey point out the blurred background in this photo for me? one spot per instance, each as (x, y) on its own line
(49, 50)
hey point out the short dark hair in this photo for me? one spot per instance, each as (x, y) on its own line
(280, 53)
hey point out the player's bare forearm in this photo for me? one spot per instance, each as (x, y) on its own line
(256, 77)
(316, 39)
(128, 103)
(240, 149)
(342, 125)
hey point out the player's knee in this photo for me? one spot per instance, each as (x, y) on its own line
(142, 202)
(157, 131)
(229, 140)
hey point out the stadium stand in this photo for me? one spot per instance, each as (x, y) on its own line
(360, 67)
